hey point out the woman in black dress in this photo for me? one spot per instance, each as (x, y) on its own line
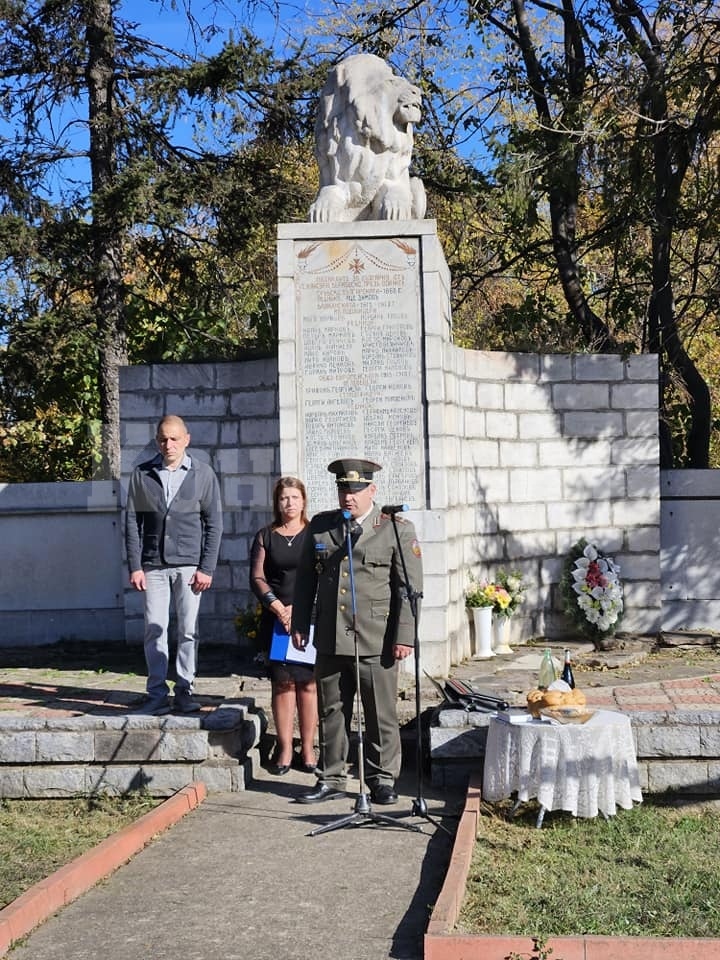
(273, 563)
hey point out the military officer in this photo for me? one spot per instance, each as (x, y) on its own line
(383, 621)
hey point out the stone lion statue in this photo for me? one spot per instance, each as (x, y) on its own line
(363, 144)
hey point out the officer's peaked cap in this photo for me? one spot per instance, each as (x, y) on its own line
(350, 470)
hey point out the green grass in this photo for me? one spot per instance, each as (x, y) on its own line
(38, 836)
(650, 871)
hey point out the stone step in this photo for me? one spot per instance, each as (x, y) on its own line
(676, 725)
(44, 756)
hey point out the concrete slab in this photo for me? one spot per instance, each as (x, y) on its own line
(240, 879)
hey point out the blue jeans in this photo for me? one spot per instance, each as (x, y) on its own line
(163, 584)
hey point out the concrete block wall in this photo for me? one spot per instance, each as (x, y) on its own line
(59, 550)
(690, 572)
(539, 451)
(526, 454)
(231, 410)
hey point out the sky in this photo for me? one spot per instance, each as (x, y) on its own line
(157, 21)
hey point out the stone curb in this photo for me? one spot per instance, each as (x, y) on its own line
(48, 896)
(440, 943)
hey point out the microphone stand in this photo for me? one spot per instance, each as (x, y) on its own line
(419, 805)
(363, 812)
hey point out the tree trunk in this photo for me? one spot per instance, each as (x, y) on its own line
(672, 145)
(562, 156)
(563, 216)
(106, 228)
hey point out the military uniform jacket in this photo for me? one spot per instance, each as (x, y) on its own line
(384, 614)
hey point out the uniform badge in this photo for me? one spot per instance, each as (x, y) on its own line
(415, 547)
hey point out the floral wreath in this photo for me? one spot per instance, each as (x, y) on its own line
(592, 590)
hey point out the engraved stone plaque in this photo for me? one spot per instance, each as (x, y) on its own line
(359, 363)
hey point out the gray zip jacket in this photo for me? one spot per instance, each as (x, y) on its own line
(186, 533)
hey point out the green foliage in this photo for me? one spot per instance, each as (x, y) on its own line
(545, 184)
(247, 624)
(631, 875)
(169, 256)
(540, 951)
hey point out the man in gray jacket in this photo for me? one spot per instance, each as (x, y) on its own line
(173, 527)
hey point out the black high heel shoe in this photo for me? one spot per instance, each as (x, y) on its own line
(299, 764)
(278, 769)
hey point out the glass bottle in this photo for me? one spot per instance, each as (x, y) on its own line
(547, 673)
(567, 674)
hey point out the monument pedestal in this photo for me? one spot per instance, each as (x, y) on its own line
(364, 314)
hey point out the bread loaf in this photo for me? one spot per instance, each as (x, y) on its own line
(540, 699)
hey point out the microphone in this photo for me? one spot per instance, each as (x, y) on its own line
(353, 527)
(391, 510)
(321, 555)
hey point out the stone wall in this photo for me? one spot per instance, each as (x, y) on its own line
(544, 450)
(526, 454)
(232, 414)
(59, 550)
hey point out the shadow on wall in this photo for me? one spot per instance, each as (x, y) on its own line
(562, 448)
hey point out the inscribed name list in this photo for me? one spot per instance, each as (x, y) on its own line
(359, 363)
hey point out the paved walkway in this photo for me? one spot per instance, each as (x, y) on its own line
(83, 679)
(239, 877)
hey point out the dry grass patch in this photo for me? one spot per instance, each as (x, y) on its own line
(39, 836)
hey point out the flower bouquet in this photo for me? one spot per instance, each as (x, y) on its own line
(592, 591)
(480, 593)
(510, 592)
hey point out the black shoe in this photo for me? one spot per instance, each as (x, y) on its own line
(279, 769)
(323, 791)
(383, 793)
(157, 707)
(184, 702)
(299, 764)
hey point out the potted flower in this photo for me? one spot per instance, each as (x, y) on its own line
(592, 592)
(513, 589)
(480, 593)
(509, 593)
(480, 598)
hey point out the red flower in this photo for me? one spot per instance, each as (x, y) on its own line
(593, 577)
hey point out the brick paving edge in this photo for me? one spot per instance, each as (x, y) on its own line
(46, 897)
(440, 943)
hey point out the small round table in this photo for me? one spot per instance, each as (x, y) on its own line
(584, 768)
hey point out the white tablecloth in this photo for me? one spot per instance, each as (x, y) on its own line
(582, 768)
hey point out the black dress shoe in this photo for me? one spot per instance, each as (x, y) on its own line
(383, 793)
(323, 791)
